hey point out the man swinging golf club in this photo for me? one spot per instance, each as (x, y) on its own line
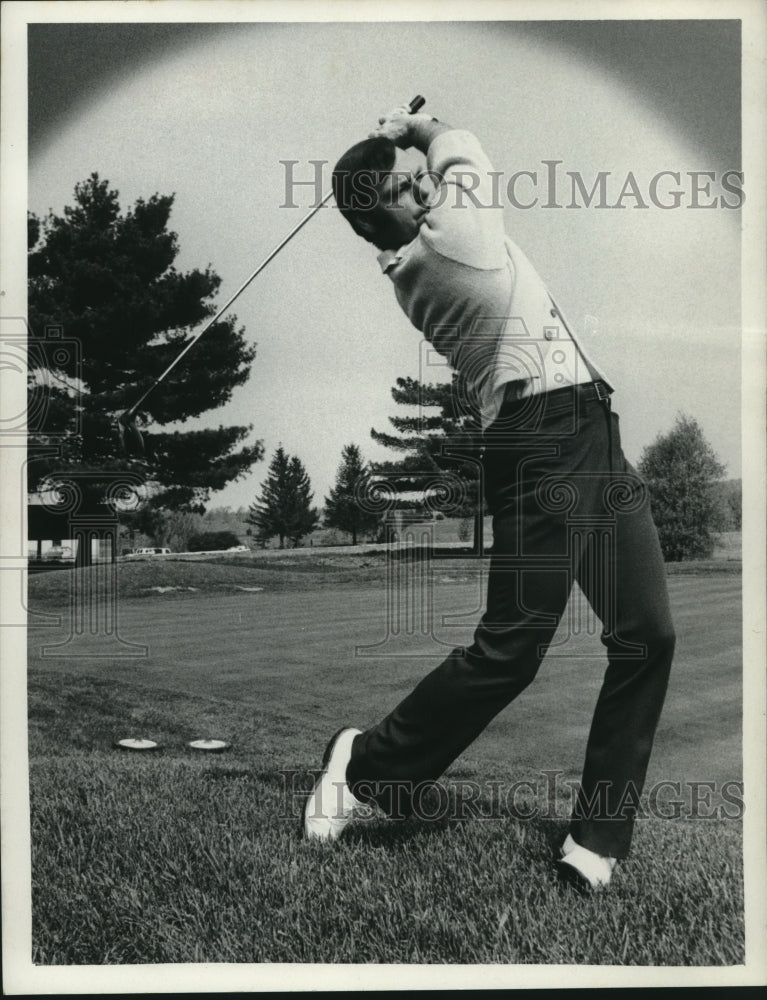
(566, 505)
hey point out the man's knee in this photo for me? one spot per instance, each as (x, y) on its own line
(655, 638)
(661, 641)
(508, 663)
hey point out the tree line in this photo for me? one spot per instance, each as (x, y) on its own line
(107, 279)
(691, 503)
(284, 508)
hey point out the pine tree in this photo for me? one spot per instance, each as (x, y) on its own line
(284, 506)
(342, 508)
(305, 517)
(107, 279)
(442, 440)
(682, 470)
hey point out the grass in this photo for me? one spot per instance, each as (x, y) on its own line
(223, 575)
(180, 858)
(300, 570)
(174, 856)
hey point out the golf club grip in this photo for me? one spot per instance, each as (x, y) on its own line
(416, 104)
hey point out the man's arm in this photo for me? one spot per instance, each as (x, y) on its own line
(465, 220)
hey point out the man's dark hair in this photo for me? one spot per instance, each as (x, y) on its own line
(355, 177)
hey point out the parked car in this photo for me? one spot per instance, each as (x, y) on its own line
(58, 552)
(153, 550)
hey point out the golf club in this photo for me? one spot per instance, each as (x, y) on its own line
(130, 436)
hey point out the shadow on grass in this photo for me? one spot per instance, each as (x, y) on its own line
(394, 834)
(540, 835)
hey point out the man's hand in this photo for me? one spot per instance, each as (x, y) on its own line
(406, 130)
(397, 125)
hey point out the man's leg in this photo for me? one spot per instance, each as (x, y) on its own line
(453, 704)
(528, 587)
(627, 589)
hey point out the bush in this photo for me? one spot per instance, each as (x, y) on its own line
(210, 541)
(465, 529)
(682, 473)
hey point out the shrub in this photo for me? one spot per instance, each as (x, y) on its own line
(207, 541)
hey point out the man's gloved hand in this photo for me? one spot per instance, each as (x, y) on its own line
(399, 126)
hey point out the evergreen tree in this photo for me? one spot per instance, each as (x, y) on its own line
(284, 506)
(682, 470)
(442, 440)
(108, 280)
(342, 509)
(305, 518)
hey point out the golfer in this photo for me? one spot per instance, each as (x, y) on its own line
(566, 505)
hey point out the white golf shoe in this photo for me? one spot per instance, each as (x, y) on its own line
(330, 805)
(584, 869)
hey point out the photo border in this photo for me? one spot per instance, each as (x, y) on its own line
(19, 975)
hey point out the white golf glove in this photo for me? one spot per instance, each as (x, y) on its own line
(396, 125)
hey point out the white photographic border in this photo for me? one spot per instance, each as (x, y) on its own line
(20, 976)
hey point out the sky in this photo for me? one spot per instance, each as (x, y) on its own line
(209, 111)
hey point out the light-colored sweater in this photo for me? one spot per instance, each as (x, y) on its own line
(473, 293)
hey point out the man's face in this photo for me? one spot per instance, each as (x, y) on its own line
(401, 203)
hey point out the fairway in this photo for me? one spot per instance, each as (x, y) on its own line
(201, 847)
(297, 653)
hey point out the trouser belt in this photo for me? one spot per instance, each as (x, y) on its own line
(584, 390)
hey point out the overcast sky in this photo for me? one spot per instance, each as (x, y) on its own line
(208, 111)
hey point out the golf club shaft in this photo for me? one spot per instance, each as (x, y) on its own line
(417, 103)
(228, 303)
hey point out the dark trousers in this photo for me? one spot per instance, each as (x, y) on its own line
(566, 507)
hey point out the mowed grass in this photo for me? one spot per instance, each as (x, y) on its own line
(217, 574)
(174, 856)
(302, 569)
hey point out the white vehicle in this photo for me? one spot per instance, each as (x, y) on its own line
(155, 550)
(63, 552)
(238, 548)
